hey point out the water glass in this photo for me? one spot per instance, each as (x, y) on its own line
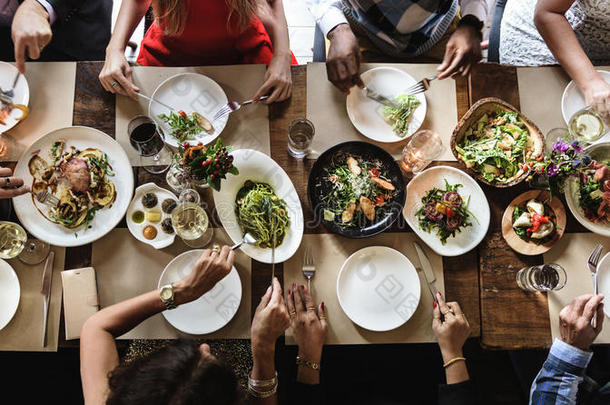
(424, 147)
(545, 277)
(147, 140)
(300, 135)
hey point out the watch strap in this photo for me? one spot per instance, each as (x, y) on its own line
(169, 303)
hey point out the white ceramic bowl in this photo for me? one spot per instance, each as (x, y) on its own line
(603, 280)
(10, 292)
(378, 288)
(21, 92)
(258, 167)
(469, 237)
(366, 114)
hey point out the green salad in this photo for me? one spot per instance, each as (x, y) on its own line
(185, 126)
(400, 117)
(444, 212)
(496, 146)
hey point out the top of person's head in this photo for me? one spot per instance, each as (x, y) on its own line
(177, 374)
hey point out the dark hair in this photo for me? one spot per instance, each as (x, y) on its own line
(174, 375)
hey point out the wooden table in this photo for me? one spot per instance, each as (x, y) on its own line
(482, 281)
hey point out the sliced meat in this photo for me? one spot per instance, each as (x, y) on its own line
(601, 173)
(76, 172)
(454, 223)
(431, 212)
(353, 166)
(386, 185)
(453, 198)
(348, 214)
(607, 185)
(367, 208)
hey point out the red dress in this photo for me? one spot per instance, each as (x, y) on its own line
(207, 39)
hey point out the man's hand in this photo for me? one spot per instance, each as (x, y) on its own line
(11, 186)
(31, 32)
(343, 61)
(462, 51)
(575, 321)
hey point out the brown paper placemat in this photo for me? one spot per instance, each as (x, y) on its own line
(571, 252)
(246, 129)
(51, 105)
(540, 92)
(134, 268)
(24, 331)
(330, 252)
(327, 110)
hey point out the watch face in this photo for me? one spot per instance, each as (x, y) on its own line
(166, 293)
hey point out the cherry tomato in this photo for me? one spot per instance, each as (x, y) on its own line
(374, 172)
(449, 212)
(539, 158)
(182, 113)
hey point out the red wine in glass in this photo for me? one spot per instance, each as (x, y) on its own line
(144, 136)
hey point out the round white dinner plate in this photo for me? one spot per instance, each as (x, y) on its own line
(21, 92)
(366, 114)
(573, 101)
(469, 237)
(189, 92)
(603, 280)
(212, 310)
(378, 288)
(10, 292)
(598, 151)
(258, 167)
(105, 219)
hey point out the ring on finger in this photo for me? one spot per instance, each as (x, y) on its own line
(7, 181)
(293, 314)
(215, 249)
(448, 311)
(322, 317)
(114, 83)
(311, 309)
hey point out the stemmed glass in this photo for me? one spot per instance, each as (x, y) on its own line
(14, 242)
(190, 221)
(147, 140)
(423, 148)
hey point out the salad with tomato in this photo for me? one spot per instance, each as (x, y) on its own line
(185, 126)
(534, 222)
(444, 211)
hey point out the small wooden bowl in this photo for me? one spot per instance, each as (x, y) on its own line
(530, 248)
(490, 105)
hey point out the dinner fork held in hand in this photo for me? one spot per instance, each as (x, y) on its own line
(44, 197)
(421, 86)
(592, 265)
(309, 267)
(233, 106)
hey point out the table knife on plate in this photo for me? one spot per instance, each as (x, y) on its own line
(47, 278)
(373, 95)
(427, 269)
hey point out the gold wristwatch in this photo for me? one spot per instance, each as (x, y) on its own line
(167, 296)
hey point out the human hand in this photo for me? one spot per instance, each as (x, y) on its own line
(212, 266)
(308, 328)
(278, 80)
(30, 31)
(453, 331)
(116, 74)
(270, 320)
(11, 186)
(343, 60)
(597, 94)
(462, 51)
(575, 321)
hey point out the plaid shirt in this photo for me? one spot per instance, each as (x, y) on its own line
(562, 380)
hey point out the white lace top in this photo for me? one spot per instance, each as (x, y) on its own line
(521, 44)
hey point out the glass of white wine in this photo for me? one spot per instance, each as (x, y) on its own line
(191, 223)
(589, 124)
(12, 239)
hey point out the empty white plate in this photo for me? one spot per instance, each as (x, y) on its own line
(469, 237)
(378, 288)
(603, 281)
(189, 92)
(212, 310)
(366, 114)
(21, 92)
(10, 292)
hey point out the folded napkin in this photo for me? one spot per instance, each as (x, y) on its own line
(80, 299)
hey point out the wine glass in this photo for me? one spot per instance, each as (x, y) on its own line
(190, 221)
(147, 140)
(424, 147)
(35, 251)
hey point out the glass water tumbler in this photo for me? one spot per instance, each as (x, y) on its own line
(545, 277)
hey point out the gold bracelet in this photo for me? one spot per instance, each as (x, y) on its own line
(456, 359)
(303, 362)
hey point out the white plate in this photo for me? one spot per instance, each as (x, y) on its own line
(366, 114)
(189, 92)
(470, 237)
(603, 280)
(597, 151)
(258, 167)
(163, 239)
(105, 219)
(573, 101)
(10, 292)
(212, 310)
(378, 288)
(21, 91)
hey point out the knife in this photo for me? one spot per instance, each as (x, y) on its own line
(373, 95)
(47, 277)
(427, 269)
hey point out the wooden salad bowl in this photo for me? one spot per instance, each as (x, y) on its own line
(489, 105)
(531, 248)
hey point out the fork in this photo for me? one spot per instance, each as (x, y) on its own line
(233, 106)
(309, 268)
(44, 197)
(10, 92)
(592, 265)
(421, 86)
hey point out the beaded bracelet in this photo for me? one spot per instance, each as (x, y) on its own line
(303, 362)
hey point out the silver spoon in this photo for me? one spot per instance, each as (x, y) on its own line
(248, 239)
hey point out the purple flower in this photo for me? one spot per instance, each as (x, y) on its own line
(586, 160)
(560, 146)
(576, 147)
(551, 170)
